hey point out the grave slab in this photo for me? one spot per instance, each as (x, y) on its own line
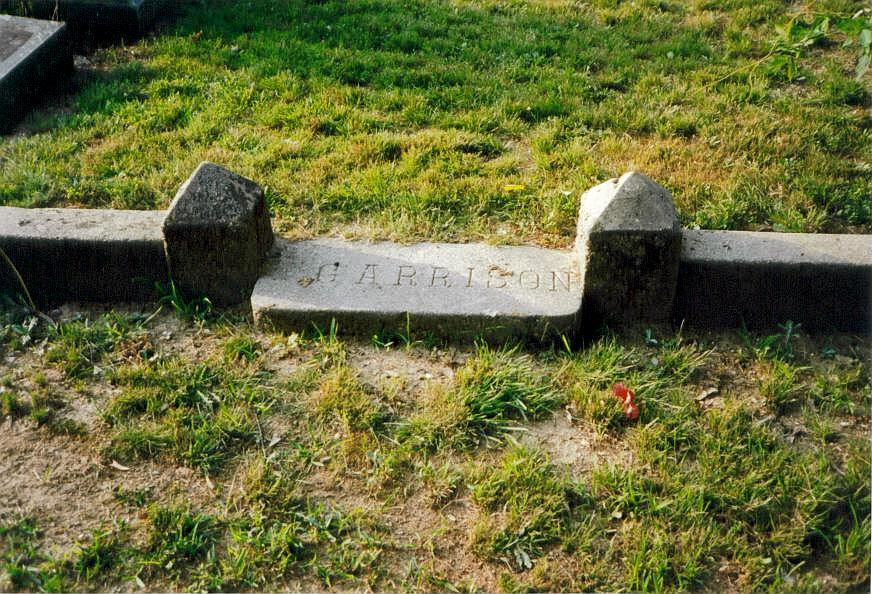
(83, 254)
(115, 18)
(731, 278)
(34, 57)
(455, 291)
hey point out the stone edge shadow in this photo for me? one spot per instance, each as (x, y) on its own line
(103, 19)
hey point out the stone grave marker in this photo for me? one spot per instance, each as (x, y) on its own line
(455, 290)
(34, 56)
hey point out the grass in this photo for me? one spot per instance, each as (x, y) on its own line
(324, 477)
(198, 414)
(324, 467)
(492, 392)
(440, 121)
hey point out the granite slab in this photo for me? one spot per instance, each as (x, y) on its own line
(455, 291)
(34, 57)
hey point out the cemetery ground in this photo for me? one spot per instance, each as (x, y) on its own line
(177, 447)
(178, 450)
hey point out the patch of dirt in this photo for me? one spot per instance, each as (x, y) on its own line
(574, 446)
(409, 371)
(65, 483)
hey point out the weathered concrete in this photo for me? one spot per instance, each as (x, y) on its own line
(728, 278)
(83, 255)
(114, 18)
(453, 291)
(217, 235)
(628, 244)
(34, 57)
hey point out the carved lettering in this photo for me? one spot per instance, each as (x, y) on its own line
(368, 273)
(440, 274)
(529, 279)
(469, 278)
(406, 272)
(330, 275)
(496, 277)
(562, 278)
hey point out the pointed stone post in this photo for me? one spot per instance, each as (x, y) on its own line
(629, 246)
(217, 235)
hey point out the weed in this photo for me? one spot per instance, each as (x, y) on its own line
(18, 326)
(196, 309)
(778, 345)
(241, 347)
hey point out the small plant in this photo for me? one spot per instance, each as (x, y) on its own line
(196, 309)
(241, 347)
(773, 346)
(179, 537)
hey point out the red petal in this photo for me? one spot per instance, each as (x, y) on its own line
(620, 390)
(623, 393)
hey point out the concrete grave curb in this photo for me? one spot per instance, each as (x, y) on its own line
(217, 234)
(631, 265)
(116, 255)
(629, 245)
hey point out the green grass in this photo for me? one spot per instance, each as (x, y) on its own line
(456, 120)
(490, 395)
(199, 414)
(447, 120)
(535, 504)
(763, 486)
(79, 346)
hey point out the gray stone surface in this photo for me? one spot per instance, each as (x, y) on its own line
(217, 235)
(83, 255)
(34, 55)
(117, 18)
(628, 244)
(728, 278)
(452, 290)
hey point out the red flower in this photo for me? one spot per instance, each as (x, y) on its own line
(628, 400)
